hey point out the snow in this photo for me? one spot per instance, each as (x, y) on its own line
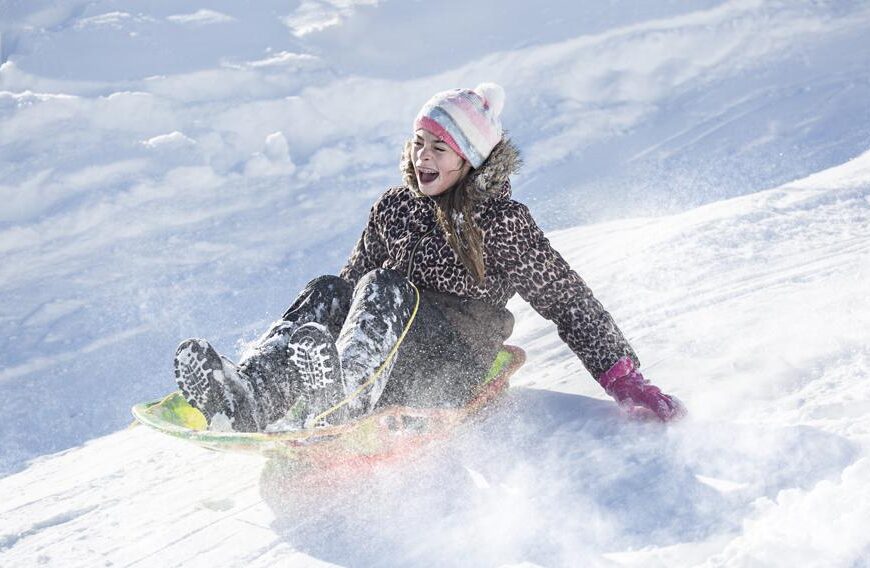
(201, 18)
(317, 15)
(173, 140)
(180, 169)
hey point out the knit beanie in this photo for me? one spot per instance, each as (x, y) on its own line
(466, 119)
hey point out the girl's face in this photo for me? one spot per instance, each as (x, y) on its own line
(437, 166)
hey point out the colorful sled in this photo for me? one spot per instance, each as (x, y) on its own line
(380, 436)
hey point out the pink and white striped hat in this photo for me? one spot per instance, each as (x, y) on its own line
(466, 119)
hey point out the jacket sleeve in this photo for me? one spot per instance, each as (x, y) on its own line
(369, 253)
(545, 280)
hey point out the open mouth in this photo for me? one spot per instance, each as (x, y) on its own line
(426, 176)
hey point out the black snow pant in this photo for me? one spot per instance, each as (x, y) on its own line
(445, 355)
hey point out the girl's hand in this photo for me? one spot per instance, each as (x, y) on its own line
(625, 384)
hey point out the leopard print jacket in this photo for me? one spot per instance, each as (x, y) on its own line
(402, 234)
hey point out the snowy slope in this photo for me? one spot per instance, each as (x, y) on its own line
(176, 168)
(167, 168)
(753, 310)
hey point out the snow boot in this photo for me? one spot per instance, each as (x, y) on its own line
(316, 377)
(211, 384)
(268, 371)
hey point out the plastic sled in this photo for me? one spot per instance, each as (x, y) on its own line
(386, 433)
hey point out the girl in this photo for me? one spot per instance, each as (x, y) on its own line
(417, 314)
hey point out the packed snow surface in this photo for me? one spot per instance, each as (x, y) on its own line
(178, 169)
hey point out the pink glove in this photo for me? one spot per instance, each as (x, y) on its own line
(624, 383)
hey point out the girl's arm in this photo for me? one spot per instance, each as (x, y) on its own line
(545, 280)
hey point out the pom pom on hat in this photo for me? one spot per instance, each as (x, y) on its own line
(492, 95)
(466, 119)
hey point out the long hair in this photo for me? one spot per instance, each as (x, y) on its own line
(453, 212)
(454, 208)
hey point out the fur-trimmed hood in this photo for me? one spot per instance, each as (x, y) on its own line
(491, 179)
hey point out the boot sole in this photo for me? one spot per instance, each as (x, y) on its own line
(200, 377)
(312, 352)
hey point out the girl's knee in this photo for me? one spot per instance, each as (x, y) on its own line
(328, 283)
(383, 277)
(385, 287)
(326, 290)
